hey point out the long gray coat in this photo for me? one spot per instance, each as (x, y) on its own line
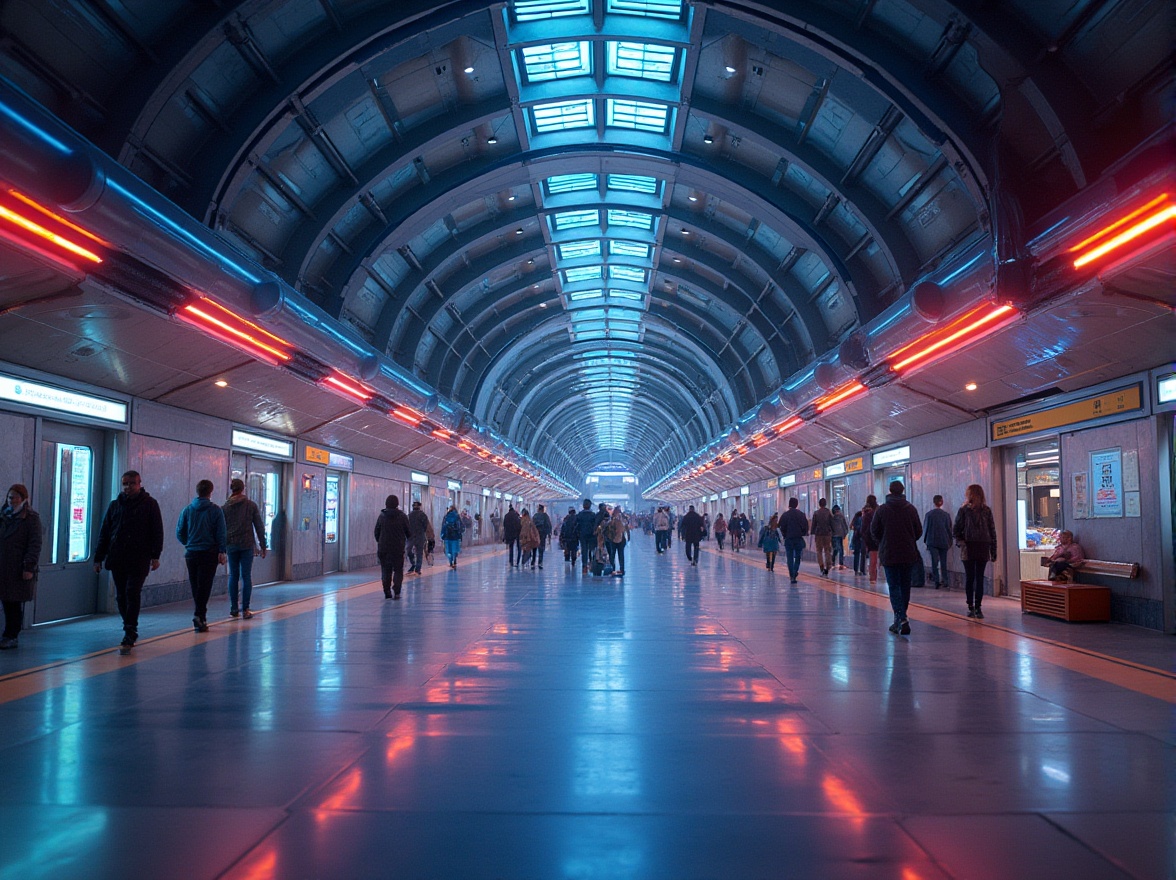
(20, 548)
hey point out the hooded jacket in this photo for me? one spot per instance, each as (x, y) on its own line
(896, 527)
(391, 535)
(201, 527)
(131, 533)
(510, 526)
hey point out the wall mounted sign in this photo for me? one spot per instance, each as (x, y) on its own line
(453, 485)
(1109, 404)
(41, 396)
(835, 470)
(1106, 479)
(314, 455)
(892, 456)
(1166, 389)
(788, 480)
(418, 477)
(263, 444)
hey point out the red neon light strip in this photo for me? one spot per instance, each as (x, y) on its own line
(937, 347)
(843, 393)
(21, 197)
(442, 433)
(788, 424)
(209, 304)
(1122, 221)
(1128, 235)
(40, 231)
(407, 415)
(358, 393)
(232, 335)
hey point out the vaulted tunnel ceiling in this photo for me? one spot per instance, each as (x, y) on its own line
(608, 228)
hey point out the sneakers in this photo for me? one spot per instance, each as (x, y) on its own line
(979, 615)
(247, 614)
(234, 614)
(971, 611)
(905, 628)
(128, 642)
(199, 625)
(396, 595)
(7, 644)
(894, 627)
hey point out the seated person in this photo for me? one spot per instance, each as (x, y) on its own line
(1067, 558)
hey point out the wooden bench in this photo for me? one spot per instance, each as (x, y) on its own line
(1075, 602)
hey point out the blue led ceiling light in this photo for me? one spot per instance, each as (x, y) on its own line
(583, 273)
(537, 10)
(647, 8)
(575, 250)
(574, 219)
(634, 219)
(634, 183)
(566, 183)
(649, 61)
(637, 115)
(627, 273)
(556, 61)
(628, 249)
(563, 116)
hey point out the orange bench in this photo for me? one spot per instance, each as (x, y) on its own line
(1075, 602)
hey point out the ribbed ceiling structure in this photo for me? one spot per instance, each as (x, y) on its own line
(608, 228)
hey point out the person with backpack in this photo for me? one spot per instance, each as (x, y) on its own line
(452, 530)
(586, 526)
(822, 530)
(975, 531)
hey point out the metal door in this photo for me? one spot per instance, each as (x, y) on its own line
(263, 484)
(71, 508)
(333, 522)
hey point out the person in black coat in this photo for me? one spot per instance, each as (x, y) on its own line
(586, 526)
(130, 542)
(512, 527)
(690, 528)
(20, 548)
(794, 526)
(897, 527)
(569, 536)
(392, 535)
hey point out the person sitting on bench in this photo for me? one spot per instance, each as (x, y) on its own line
(1067, 558)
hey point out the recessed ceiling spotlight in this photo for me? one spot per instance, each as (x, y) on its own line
(707, 139)
(511, 197)
(530, 262)
(492, 140)
(728, 68)
(519, 231)
(677, 259)
(221, 383)
(471, 70)
(971, 386)
(685, 231)
(693, 198)
(542, 305)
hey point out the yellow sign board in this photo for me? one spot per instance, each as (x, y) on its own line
(855, 464)
(317, 456)
(814, 474)
(1123, 400)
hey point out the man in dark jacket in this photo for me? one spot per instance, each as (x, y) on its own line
(201, 529)
(937, 527)
(822, 529)
(543, 526)
(391, 536)
(896, 528)
(569, 537)
(794, 525)
(130, 542)
(512, 526)
(586, 528)
(690, 528)
(418, 536)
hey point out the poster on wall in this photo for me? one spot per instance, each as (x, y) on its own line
(1131, 502)
(1106, 477)
(1131, 470)
(1079, 492)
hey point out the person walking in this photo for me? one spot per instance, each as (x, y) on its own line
(661, 529)
(794, 525)
(871, 545)
(735, 531)
(496, 525)
(822, 529)
(690, 529)
(569, 537)
(937, 534)
(418, 538)
(242, 524)
(543, 524)
(130, 543)
(452, 530)
(20, 552)
(618, 537)
(857, 545)
(392, 535)
(769, 541)
(840, 530)
(201, 529)
(720, 530)
(511, 523)
(975, 530)
(586, 529)
(896, 529)
(528, 538)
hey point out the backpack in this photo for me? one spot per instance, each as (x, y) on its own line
(616, 530)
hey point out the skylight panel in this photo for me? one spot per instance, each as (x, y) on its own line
(585, 295)
(634, 183)
(563, 115)
(556, 61)
(628, 249)
(637, 115)
(649, 61)
(581, 317)
(646, 8)
(536, 10)
(626, 295)
(574, 219)
(566, 183)
(582, 273)
(635, 219)
(626, 273)
(575, 250)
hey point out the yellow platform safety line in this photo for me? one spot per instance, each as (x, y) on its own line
(1147, 680)
(35, 680)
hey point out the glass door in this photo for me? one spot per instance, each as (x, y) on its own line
(263, 484)
(71, 512)
(333, 522)
(1039, 504)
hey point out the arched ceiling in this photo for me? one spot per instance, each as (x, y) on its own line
(607, 227)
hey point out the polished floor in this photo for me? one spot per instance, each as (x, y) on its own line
(684, 722)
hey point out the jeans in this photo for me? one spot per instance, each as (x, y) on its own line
(618, 551)
(128, 592)
(938, 565)
(859, 560)
(839, 550)
(452, 548)
(515, 551)
(898, 582)
(13, 619)
(663, 539)
(416, 555)
(202, 566)
(542, 547)
(692, 551)
(793, 551)
(392, 574)
(974, 580)
(720, 537)
(240, 570)
(587, 547)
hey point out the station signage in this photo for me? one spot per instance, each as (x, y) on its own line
(42, 396)
(453, 485)
(1112, 403)
(1166, 389)
(788, 480)
(835, 470)
(745, 490)
(892, 456)
(485, 493)
(271, 446)
(418, 477)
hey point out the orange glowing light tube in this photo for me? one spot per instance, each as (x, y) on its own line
(845, 392)
(1125, 230)
(407, 415)
(787, 425)
(355, 390)
(441, 434)
(231, 328)
(976, 324)
(21, 222)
